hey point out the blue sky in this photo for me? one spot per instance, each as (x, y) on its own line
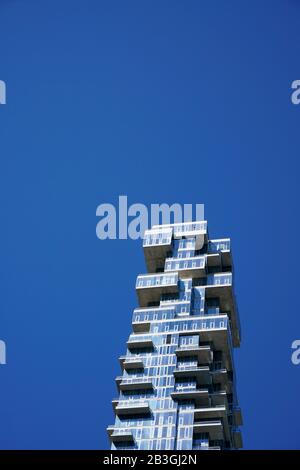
(164, 101)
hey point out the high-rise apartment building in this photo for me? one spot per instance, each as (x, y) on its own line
(177, 388)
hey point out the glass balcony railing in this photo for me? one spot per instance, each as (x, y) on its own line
(189, 366)
(184, 368)
(156, 280)
(134, 358)
(139, 378)
(197, 262)
(126, 432)
(219, 279)
(136, 338)
(200, 447)
(185, 388)
(148, 315)
(132, 403)
(190, 227)
(214, 246)
(157, 238)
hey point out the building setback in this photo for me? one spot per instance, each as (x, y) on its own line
(177, 388)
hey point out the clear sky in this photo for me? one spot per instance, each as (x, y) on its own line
(164, 101)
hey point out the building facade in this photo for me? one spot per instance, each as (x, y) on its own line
(177, 388)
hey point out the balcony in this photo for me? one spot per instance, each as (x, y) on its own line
(221, 247)
(216, 330)
(203, 354)
(218, 412)
(119, 435)
(202, 374)
(131, 407)
(129, 363)
(140, 342)
(187, 267)
(141, 326)
(199, 396)
(220, 376)
(237, 417)
(157, 243)
(149, 314)
(150, 287)
(192, 229)
(219, 398)
(237, 439)
(210, 412)
(213, 428)
(134, 383)
(220, 286)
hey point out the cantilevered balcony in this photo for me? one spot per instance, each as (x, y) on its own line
(141, 326)
(213, 428)
(219, 412)
(237, 416)
(219, 398)
(199, 396)
(157, 243)
(216, 330)
(201, 374)
(203, 354)
(149, 314)
(192, 229)
(131, 407)
(237, 439)
(210, 412)
(220, 286)
(140, 342)
(134, 383)
(117, 435)
(131, 362)
(187, 267)
(150, 287)
(222, 377)
(221, 247)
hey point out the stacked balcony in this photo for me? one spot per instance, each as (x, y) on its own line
(203, 369)
(131, 407)
(134, 383)
(151, 287)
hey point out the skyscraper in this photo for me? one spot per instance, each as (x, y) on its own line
(177, 388)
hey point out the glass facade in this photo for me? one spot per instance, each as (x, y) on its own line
(177, 388)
